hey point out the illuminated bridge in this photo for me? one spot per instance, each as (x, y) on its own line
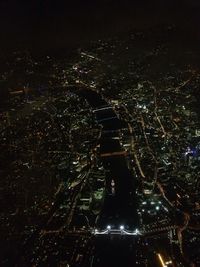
(142, 232)
(120, 231)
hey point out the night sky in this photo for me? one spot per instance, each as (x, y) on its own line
(50, 25)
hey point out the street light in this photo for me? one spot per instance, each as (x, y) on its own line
(108, 227)
(121, 227)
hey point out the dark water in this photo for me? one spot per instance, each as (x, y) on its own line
(115, 252)
(119, 208)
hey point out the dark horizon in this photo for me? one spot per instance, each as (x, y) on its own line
(49, 26)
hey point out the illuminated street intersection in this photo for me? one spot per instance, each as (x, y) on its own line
(100, 156)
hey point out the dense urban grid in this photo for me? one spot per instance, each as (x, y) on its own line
(100, 154)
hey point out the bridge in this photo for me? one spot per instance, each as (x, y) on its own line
(142, 232)
(102, 108)
(111, 231)
(112, 154)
